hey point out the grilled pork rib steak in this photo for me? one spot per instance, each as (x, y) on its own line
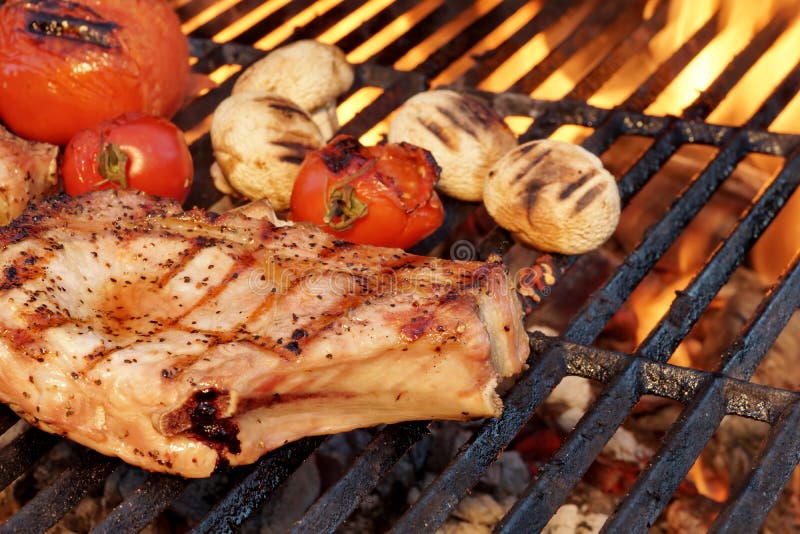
(181, 340)
(28, 173)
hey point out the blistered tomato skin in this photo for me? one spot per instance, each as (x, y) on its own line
(133, 151)
(68, 65)
(381, 195)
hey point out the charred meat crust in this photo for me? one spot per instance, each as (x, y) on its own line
(196, 341)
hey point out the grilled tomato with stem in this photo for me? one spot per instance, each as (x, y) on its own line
(381, 195)
(66, 65)
(132, 151)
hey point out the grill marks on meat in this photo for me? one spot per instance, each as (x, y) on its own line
(27, 173)
(178, 340)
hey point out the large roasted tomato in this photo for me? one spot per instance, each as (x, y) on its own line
(66, 65)
(381, 195)
(134, 151)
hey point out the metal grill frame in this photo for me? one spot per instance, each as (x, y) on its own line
(707, 396)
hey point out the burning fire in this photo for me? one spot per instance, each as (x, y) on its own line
(738, 23)
(735, 24)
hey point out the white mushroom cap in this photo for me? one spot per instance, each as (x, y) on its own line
(553, 195)
(465, 137)
(259, 142)
(310, 73)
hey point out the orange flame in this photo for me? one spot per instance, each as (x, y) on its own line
(706, 483)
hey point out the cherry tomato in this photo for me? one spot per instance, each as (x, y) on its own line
(66, 65)
(134, 151)
(381, 195)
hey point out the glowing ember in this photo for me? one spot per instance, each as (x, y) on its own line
(247, 21)
(535, 50)
(707, 483)
(392, 31)
(498, 36)
(732, 26)
(352, 21)
(284, 31)
(212, 11)
(421, 52)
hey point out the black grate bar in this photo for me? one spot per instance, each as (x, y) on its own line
(439, 499)
(200, 48)
(375, 462)
(777, 100)
(202, 159)
(542, 498)
(7, 418)
(628, 378)
(489, 62)
(754, 401)
(658, 238)
(462, 42)
(744, 399)
(648, 91)
(273, 21)
(709, 99)
(695, 426)
(565, 469)
(587, 30)
(143, 506)
(24, 451)
(561, 113)
(569, 112)
(326, 21)
(750, 503)
(604, 135)
(423, 29)
(769, 320)
(774, 144)
(249, 495)
(632, 44)
(72, 485)
(393, 95)
(650, 162)
(455, 213)
(203, 106)
(193, 8)
(691, 302)
(211, 56)
(370, 27)
(244, 8)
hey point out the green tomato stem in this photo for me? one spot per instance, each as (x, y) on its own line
(112, 164)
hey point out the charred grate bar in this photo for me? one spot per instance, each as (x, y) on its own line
(707, 407)
(377, 459)
(707, 396)
(50, 504)
(748, 507)
(628, 377)
(601, 17)
(147, 501)
(253, 491)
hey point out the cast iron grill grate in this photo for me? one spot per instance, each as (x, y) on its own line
(626, 377)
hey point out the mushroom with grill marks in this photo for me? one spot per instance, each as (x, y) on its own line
(309, 73)
(554, 196)
(260, 140)
(465, 137)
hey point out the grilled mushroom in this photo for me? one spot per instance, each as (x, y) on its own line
(259, 141)
(465, 137)
(553, 195)
(311, 74)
